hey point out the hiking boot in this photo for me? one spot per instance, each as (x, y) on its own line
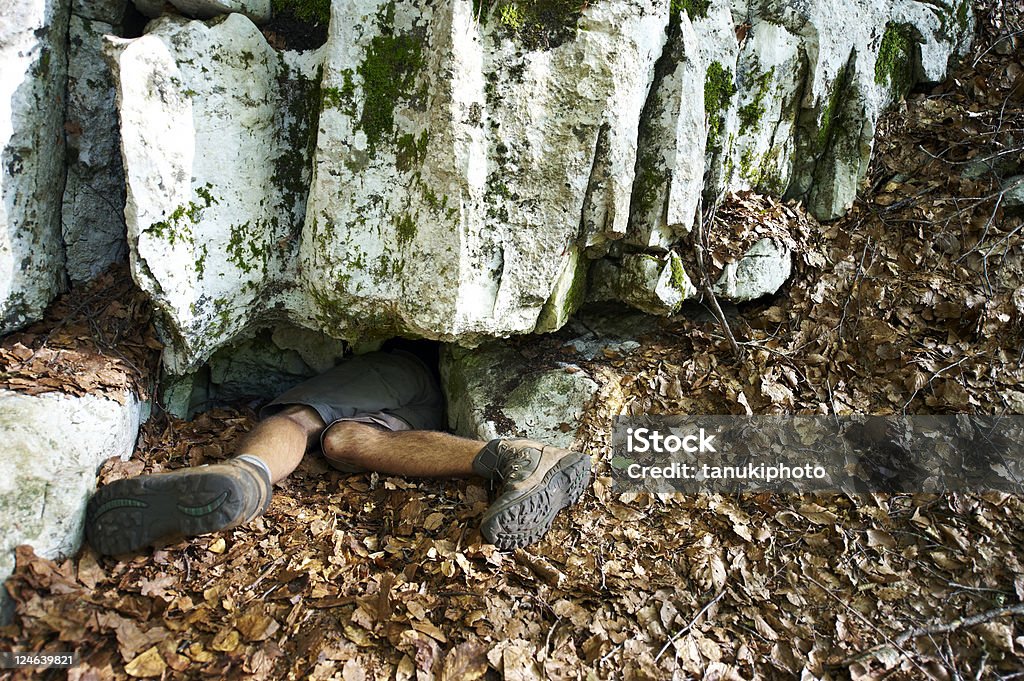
(537, 481)
(129, 514)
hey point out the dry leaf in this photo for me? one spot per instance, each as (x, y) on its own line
(146, 665)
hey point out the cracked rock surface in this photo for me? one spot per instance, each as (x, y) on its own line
(454, 171)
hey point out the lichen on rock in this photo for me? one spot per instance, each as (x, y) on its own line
(454, 170)
(33, 52)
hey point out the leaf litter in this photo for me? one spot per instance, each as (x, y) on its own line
(912, 303)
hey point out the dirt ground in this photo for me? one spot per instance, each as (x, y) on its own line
(913, 303)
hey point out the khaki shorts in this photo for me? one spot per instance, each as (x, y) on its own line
(393, 390)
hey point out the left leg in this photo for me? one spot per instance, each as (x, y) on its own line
(420, 453)
(536, 481)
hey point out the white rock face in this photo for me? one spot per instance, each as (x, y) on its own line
(453, 189)
(762, 270)
(93, 211)
(493, 391)
(465, 171)
(215, 135)
(33, 63)
(792, 93)
(853, 61)
(51, 446)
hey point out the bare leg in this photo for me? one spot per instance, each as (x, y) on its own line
(423, 453)
(281, 440)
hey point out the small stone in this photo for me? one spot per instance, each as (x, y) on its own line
(494, 392)
(1013, 195)
(762, 270)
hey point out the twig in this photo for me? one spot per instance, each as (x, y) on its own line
(547, 572)
(690, 624)
(934, 376)
(862, 618)
(611, 652)
(702, 272)
(853, 287)
(944, 628)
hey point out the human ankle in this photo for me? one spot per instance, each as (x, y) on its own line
(259, 463)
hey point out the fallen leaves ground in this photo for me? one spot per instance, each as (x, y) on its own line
(910, 304)
(98, 339)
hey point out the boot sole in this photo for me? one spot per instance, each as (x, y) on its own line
(128, 515)
(525, 519)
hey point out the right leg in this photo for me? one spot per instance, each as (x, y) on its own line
(281, 440)
(129, 514)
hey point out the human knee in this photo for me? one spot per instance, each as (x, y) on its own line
(305, 417)
(298, 417)
(349, 441)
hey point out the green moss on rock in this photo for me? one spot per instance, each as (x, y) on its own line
(314, 11)
(752, 112)
(405, 228)
(341, 97)
(718, 91)
(568, 294)
(177, 227)
(695, 9)
(894, 66)
(244, 249)
(647, 182)
(303, 100)
(536, 24)
(679, 279)
(831, 110)
(411, 150)
(389, 69)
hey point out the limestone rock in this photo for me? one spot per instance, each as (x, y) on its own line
(674, 130)
(256, 368)
(791, 96)
(33, 66)
(762, 270)
(52, 446)
(469, 166)
(848, 86)
(605, 329)
(216, 129)
(655, 284)
(493, 391)
(1013, 195)
(257, 10)
(93, 210)
(462, 160)
(107, 11)
(150, 8)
